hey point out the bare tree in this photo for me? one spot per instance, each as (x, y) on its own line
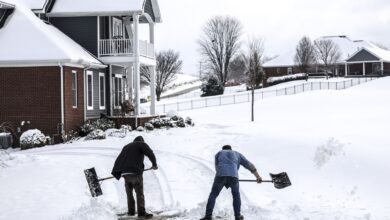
(305, 55)
(255, 74)
(219, 44)
(327, 52)
(168, 65)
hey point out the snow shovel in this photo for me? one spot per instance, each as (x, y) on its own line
(280, 180)
(94, 181)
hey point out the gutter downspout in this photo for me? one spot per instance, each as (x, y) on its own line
(84, 88)
(62, 100)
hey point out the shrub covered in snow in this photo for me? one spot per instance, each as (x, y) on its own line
(189, 121)
(97, 134)
(149, 126)
(126, 128)
(140, 128)
(169, 122)
(90, 125)
(32, 138)
(281, 79)
(212, 87)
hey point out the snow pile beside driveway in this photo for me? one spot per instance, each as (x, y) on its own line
(342, 132)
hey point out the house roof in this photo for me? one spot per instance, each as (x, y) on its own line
(104, 7)
(347, 48)
(379, 53)
(25, 40)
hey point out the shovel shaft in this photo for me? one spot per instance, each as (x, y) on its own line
(111, 177)
(264, 181)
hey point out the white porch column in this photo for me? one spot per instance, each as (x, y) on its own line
(152, 74)
(346, 69)
(364, 69)
(137, 83)
(153, 90)
(382, 67)
(151, 33)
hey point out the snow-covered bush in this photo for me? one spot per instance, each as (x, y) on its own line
(281, 79)
(140, 128)
(149, 126)
(119, 133)
(126, 128)
(189, 121)
(180, 123)
(32, 138)
(212, 87)
(97, 134)
(90, 125)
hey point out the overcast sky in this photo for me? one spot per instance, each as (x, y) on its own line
(280, 22)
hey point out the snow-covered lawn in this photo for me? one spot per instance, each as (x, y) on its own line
(333, 144)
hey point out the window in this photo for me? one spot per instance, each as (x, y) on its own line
(74, 89)
(117, 28)
(289, 71)
(89, 90)
(102, 92)
(118, 88)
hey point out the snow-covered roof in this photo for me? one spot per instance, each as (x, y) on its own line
(102, 7)
(25, 40)
(380, 53)
(347, 48)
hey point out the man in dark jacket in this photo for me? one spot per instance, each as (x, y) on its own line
(227, 163)
(130, 165)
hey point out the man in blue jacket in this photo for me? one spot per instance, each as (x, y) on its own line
(227, 163)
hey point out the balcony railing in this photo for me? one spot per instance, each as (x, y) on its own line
(124, 47)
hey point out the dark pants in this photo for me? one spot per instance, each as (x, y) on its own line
(135, 182)
(219, 183)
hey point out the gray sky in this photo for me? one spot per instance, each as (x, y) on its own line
(280, 22)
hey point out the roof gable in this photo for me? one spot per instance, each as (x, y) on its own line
(363, 55)
(44, 44)
(5, 11)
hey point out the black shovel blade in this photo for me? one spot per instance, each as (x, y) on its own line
(280, 180)
(93, 182)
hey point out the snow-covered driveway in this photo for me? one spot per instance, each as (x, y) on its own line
(333, 144)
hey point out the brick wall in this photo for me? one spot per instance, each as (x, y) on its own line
(277, 71)
(31, 94)
(74, 117)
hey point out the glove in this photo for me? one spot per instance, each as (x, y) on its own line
(155, 167)
(259, 179)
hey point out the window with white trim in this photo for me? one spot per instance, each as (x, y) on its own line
(118, 90)
(89, 90)
(74, 89)
(102, 91)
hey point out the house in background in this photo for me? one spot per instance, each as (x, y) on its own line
(65, 61)
(352, 53)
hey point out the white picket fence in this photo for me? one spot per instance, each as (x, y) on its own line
(243, 97)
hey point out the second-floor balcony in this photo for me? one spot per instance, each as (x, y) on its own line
(124, 47)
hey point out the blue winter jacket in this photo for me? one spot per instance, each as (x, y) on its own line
(227, 163)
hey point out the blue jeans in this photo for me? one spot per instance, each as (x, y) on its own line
(219, 183)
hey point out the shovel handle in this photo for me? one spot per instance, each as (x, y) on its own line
(111, 177)
(264, 181)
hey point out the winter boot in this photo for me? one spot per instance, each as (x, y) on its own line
(240, 217)
(145, 215)
(206, 218)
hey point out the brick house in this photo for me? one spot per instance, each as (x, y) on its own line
(65, 61)
(285, 65)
